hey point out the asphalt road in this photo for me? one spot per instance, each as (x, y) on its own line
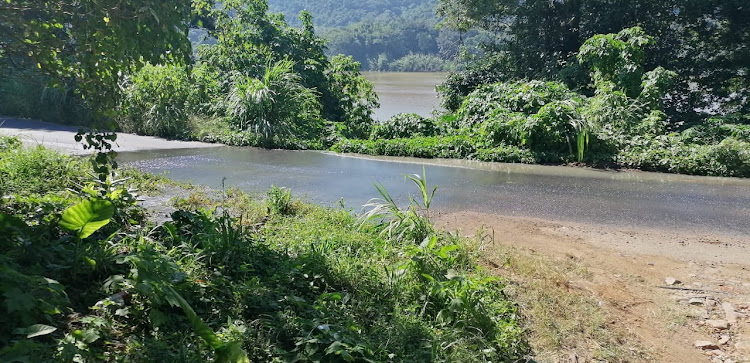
(61, 138)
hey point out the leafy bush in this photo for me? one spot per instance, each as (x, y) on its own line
(274, 106)
(417, 63)
(618, 59)
(411, 224)
(9, 143)
(670, 153)
(553, 129)
(155, 101)
(508, 154)
(280, 200)
(453, 147)
(351, 98)
(503, 127)
(716, 129)
(460, 84)
(404, 125)
(37, 170)
(523, 97)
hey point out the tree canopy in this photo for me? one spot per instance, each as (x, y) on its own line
(705, 42)
(93, 43)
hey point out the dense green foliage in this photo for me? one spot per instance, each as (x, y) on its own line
(704, 42)
(269, 84)
(255, 81)
(89, 45)
(233, 279)
(622, 124)
(156, 101)
(404, 125)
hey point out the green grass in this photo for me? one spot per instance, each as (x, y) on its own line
(285, 279)
(37, 170)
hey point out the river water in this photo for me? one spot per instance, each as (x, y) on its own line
(624, 199)
(405, 92)
(629, 199)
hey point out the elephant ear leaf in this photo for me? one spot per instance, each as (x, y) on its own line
(87, 217)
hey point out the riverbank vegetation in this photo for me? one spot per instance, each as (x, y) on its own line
(609, 94)
(256, 80)
(627, 118)
(87, 277)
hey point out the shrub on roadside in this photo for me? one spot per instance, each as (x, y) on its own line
(460, 84)
(449, 147)
(670, 153)
(503, 128)
(37, 170)
(552, 128)
(507, 154)
(155, 102)
(404, 125)
(519, 96)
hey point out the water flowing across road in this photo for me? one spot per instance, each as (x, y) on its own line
(625, 198)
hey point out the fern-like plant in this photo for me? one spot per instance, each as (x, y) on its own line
(412, 223)
(275, 105)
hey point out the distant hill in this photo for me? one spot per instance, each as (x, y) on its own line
(342, 13)
(398, 35)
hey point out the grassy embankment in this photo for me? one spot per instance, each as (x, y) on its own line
(285, 279)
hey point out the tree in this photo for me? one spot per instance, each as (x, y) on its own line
(705, 42)
(246, 35)
(93, 43)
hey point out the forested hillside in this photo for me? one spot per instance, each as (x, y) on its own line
(399, 35)
(333, 13)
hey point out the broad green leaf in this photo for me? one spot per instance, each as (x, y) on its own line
(39, 330)
(87, 217)
(195, 321)
(90, 335)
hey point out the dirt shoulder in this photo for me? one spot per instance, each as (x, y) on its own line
(596, 293)
(60, 138)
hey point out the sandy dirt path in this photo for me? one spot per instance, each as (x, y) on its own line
(628, 271)
(60, 138)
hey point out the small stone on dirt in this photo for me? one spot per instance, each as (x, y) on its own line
(718, 324)
(724, 339)
(699, 313)
(730, 314)
(672, 281)
(706, 345)
(697, 301)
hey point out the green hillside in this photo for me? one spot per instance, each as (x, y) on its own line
(331, 13)
(396, 35)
